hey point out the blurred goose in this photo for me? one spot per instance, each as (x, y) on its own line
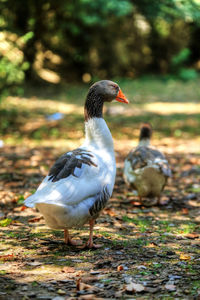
(81, 181)
(146, 169)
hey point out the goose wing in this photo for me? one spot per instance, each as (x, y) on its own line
(75, 176)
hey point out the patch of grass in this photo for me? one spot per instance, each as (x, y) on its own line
(195, 286)
(106, 280)
(58, 253)
(57, 233)
(145, 273)
(34, 283)
(186, 228)
(139, 91)
(141, 242)
(194, 190)
(156, 265)
(142, 224)
(5, 222)
(103, 233)
(17, 234)
(20, 199)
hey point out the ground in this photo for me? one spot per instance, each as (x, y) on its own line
(147, 252)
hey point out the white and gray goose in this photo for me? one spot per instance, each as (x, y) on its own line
(146, 169)
(81, 181)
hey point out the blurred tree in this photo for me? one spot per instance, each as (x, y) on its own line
(103, 38)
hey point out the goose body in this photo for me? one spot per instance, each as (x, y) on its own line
(70, 201)
(146, 169)
(81, 181)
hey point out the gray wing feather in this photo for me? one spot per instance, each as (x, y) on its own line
(68, 164)
(100, 202)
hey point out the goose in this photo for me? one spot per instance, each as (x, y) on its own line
(146, 169)
(81, 181)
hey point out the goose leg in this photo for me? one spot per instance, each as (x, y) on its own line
(90, 244)
(69, 241)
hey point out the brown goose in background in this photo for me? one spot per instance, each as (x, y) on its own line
(146, 169)
(81, 181)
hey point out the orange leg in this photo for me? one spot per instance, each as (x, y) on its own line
(90, 244)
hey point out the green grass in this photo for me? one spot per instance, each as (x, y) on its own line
(140, 92)
(142, 224)
(5, 222)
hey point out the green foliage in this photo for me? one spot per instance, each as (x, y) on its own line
(12, 63)
(181, 57)
(178, 61)
(170, 9)
(20, 199)
(187, 74)
(101, 38)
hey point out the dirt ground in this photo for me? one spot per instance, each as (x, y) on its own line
(147, 253)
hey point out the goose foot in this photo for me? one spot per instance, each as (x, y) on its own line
(69, 241)
(90, 244)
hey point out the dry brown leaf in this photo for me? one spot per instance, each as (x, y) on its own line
(136, 203)
(193, 235)
(23, 208)
(110, 212)
(68, 270)
(7, 257)
(120, 268)
(33, 220)
(185, 211)
(152, 245)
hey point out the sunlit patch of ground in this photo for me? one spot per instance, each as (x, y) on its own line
(171, 108)
(46, 105)
(154, 247)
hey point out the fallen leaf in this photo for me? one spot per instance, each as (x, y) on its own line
(120, 268)
(7, 257)
(135, 287)
(23, 208)
(135, 203)
(193, 235)
(33, 220)
(185, 257)
(68, 270)
(185, 211)
(110, 212)
(152, 245)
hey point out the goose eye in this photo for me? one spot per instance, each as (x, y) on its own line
(115, 87)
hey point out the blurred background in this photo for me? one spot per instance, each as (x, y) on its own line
(51, 51)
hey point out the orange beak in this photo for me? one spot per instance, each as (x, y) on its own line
(121, 98)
